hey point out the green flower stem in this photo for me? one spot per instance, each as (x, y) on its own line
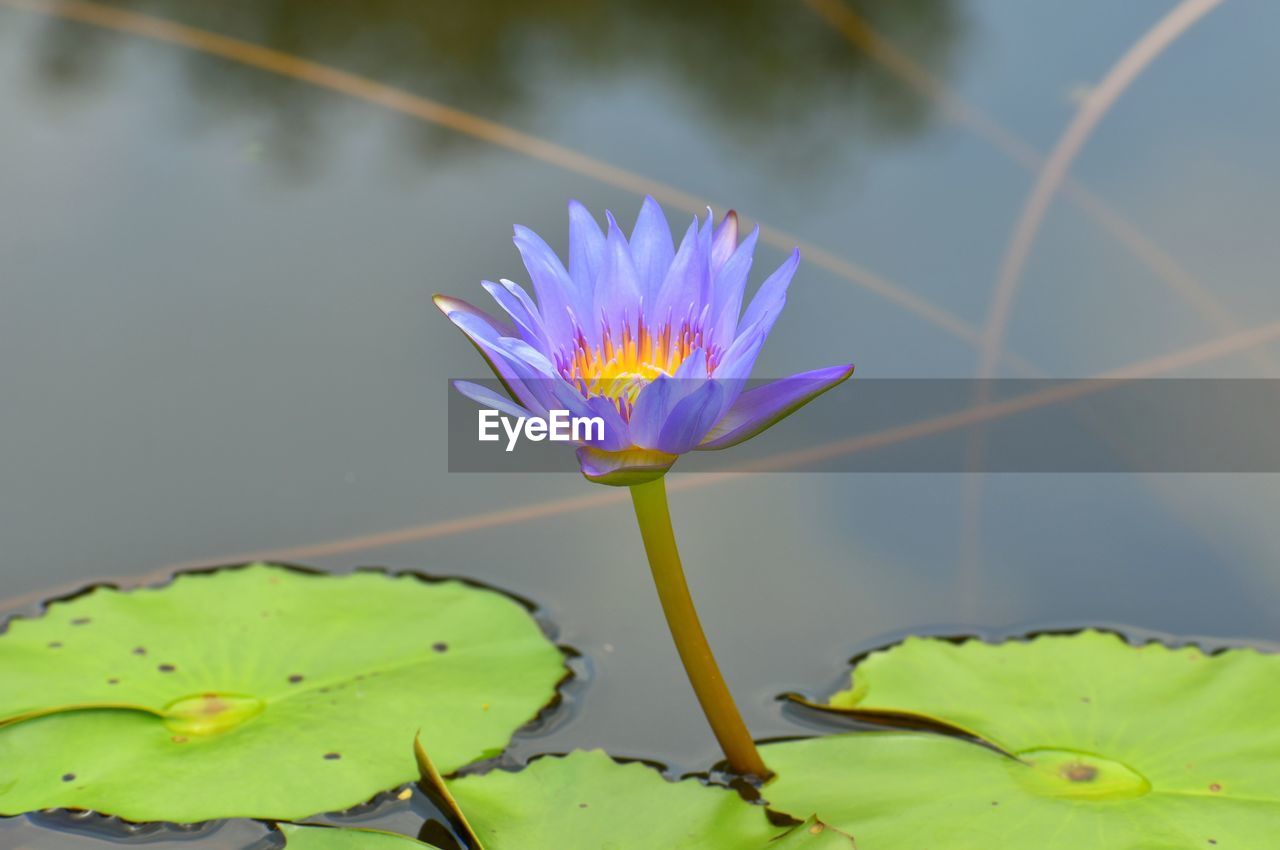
(650, 501)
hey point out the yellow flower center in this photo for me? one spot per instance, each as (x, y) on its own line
(619, 368)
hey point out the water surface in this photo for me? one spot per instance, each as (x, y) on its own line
(217, 341)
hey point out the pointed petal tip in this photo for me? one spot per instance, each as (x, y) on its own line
(761, 408)
(652, 210)
(449, 305)
(612, 223)
(580, 216)
(829, 375)
(465, 314)
(526, 238)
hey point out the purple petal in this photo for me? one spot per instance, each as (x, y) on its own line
(723, 241)
(523, 312)
(651, 248)
(659, 397)
(450, 305)
(729, 285)
(762, 407)
(618, 295)
(515, 375)
(541, 393)
(705, 233)
(653, 404)
(557, 294)
(484, 332)
(539, 375)
(694, 367)
(617, 433)
(684, 284)
(553, 392)
(526, 372)
(737, 362)
(624, 468)
(691, 419)
(486, 397)
(586, 251)
(535, 362)
(772, 294)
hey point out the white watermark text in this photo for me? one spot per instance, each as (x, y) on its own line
(558, 427)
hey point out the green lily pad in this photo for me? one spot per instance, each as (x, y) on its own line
(813, 834)
(298, 837)
(259, 691)
(586, 799)
(1104, 745)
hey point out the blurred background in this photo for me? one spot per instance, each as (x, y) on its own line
(218, 244)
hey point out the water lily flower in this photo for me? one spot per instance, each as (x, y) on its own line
(651, 338)
(653, 341)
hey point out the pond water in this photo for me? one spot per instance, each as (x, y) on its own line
(217, 341)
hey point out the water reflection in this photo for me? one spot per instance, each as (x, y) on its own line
(767, 77)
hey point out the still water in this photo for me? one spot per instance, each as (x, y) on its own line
(217, 341)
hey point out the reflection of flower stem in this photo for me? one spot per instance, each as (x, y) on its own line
(650, 501)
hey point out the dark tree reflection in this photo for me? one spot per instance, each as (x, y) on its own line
(770, 77)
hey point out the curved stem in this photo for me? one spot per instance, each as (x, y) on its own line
(650, 500)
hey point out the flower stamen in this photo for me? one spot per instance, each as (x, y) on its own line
(630, 358)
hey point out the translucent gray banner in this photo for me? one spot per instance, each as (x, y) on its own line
(959, 425)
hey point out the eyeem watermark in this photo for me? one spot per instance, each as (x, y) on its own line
(1099, 425)
(560, 427)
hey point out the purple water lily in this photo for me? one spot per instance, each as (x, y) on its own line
(654, 342)
(651, 339)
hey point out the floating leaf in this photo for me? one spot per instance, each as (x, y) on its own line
(1109, 746)
(586, 799)
(332, 838)
(259, 692)
(813, 834)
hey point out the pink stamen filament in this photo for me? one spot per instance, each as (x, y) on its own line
(627, 360)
